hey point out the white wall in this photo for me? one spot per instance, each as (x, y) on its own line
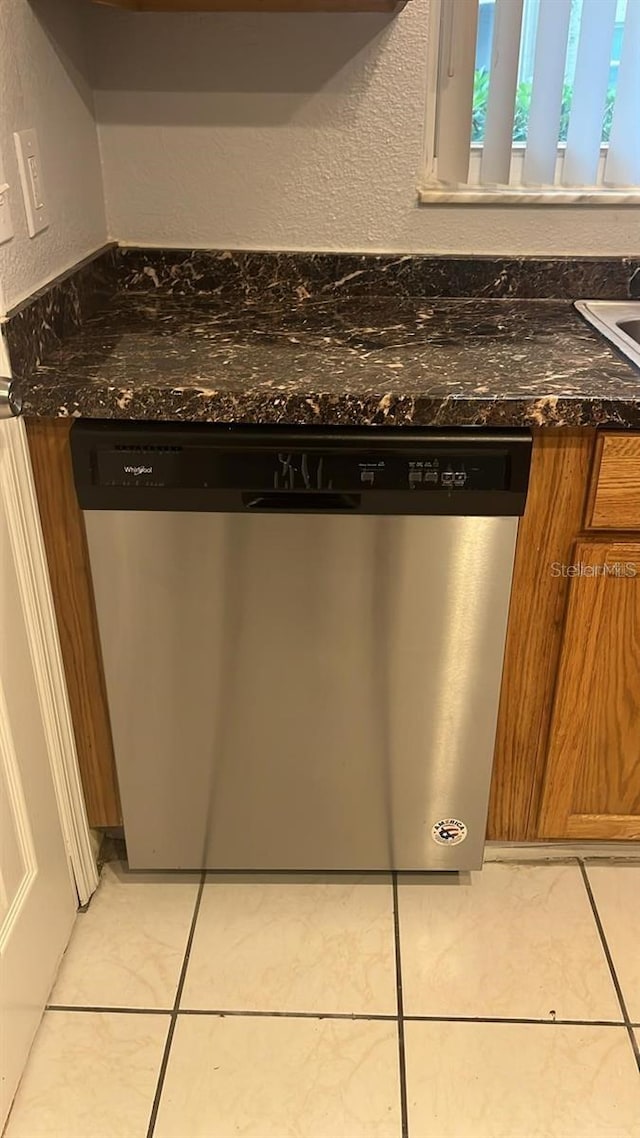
(247, 131)
(296, 132)
(44, 84)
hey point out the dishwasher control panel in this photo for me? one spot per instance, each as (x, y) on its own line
(374, 470)
(305, 470)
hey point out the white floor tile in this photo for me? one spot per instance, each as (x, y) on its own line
(281, 1078)
(514, 941)
(310, 945)
(90, 1075)
(479, 1080)
(616, 890)
(127, 949)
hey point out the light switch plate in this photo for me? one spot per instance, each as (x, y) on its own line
(5, 365)
(33, 191)
(6, 224)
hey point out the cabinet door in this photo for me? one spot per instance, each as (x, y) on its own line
(592, 779)
(614, 495)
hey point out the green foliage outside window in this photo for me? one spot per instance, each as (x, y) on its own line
(523, 108)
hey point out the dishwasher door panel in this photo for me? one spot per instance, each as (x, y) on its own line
(301, 691)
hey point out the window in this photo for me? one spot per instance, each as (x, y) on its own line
(534, 100)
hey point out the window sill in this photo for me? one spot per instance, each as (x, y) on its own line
(507, 195)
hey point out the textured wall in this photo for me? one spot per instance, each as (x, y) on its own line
(250, 131)
(292, 131)
(43, 84)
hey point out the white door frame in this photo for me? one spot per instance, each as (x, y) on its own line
(18, 492)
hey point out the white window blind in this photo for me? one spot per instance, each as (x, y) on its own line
(546, 94)
(534, 100)
(623, 159)
(496, 152)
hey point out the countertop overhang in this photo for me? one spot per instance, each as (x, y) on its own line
(332, 357)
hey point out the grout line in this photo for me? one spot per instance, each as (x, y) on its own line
(223, 1012)
(356, 1016)
(550, 862)
(517, 1019)
(107, 1008)
(174, 1013)
(631, 860)
(616, 983)
(535, 862)
(404, 1112)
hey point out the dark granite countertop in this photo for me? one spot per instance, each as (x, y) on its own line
(354, 359)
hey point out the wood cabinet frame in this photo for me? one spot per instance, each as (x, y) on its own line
(560, 466)
(68, 558)
(569, 723)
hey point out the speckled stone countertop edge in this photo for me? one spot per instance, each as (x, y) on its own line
(44, 333)
(375, 412)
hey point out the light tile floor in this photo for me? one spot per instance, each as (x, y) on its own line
(494, 1005)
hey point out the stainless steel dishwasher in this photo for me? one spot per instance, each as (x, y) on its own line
(303, 634)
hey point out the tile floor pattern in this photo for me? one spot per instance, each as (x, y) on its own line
(496, 1005)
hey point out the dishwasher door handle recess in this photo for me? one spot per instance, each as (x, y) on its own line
(316, 502)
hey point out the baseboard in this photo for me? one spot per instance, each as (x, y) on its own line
(561, 851)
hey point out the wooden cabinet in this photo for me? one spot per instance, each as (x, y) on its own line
(66, 545)
(560, 466)
(567, 761)
(592, 780)
(614, 498)
(256, 5)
